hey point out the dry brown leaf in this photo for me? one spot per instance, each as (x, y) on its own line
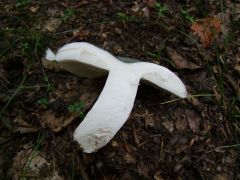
(146, 12)
(51, 65)
(221, 177)
(179, 61)
(129, 159)
(32, 162)
(158, 176)
(207, 29)
(168, 125)
(149, 120)
(181, 122)
(51, 25)
(56, 124)
(136, 7)
(34, 8)
(193, 120)
(142, 169)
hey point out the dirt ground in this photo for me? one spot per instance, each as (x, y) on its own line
(165, 137)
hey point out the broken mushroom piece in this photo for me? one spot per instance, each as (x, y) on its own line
(116, 100)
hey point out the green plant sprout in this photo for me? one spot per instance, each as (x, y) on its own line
(22, 3)
(43, 102)
(162, 9)
(77, 107)
(123, 16)
(187, 16)
(67, 14)
(49, 86)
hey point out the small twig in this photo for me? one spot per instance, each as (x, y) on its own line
(191, 96)
(32, 155)
(230, 146)
(65, 32)
(13, 95)
(33, 87)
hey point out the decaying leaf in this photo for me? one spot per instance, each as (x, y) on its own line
(51, 25)
(149, 120)
(207, 29)
(181, 124)
(51, 65)
(143, 169)
(130, 159)
(187, 118)
(34, 8)
(169, 126)
(29, 163)
(55, 123)
(179, 60)
(221, 177)
(193, 120)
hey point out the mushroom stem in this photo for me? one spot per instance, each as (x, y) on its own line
(110, 111)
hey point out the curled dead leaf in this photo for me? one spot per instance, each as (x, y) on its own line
(207, 29)
(179, 60)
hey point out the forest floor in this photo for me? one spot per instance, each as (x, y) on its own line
(164, 138)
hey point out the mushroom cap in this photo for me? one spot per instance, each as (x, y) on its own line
(87, 60)
(84, 59)
(162, 77)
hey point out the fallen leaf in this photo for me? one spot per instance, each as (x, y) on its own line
(149, 120)
(158, 176)
(129, 159)
(56, 124)
(34, 8)
(51, 25)
(193, 120)
(207, 29)
(168, 125)
(31, 163)
(146, 12)
(51, 65)
(142, 169)
(179, 60)
(181, 122)
(221, 177)
(136, 7)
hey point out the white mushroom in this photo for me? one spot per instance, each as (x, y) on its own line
(116, 100)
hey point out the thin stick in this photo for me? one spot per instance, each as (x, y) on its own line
(191, 96)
